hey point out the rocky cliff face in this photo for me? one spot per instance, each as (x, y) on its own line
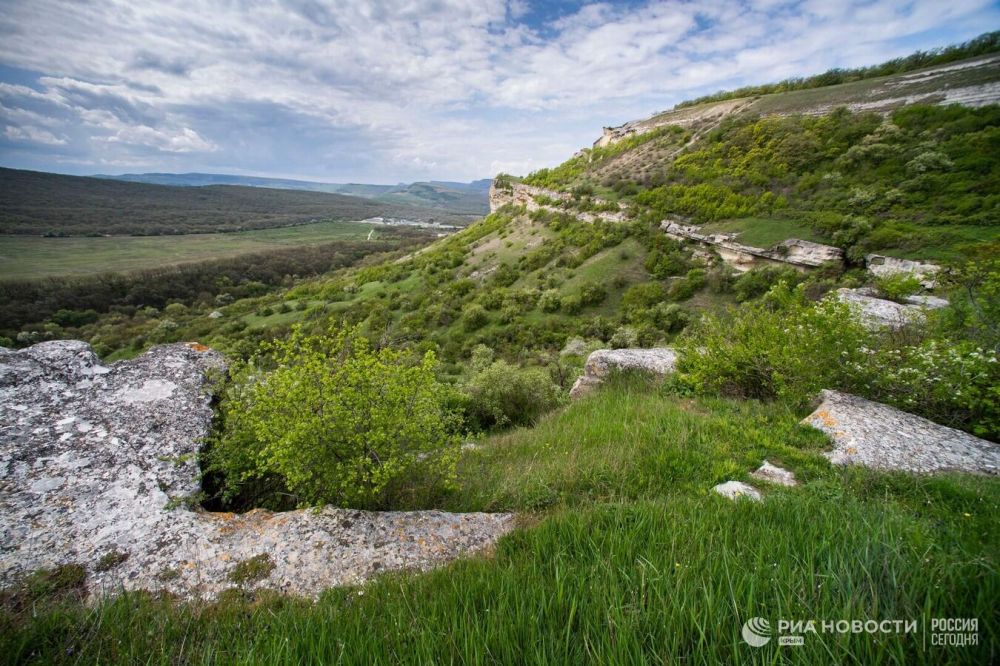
(97, 463)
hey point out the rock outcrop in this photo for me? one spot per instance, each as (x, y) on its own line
(539, 198)
(657, 361)
(881, 266)
(883, 437)
(795, 252)
(878, 312)
(98, 465)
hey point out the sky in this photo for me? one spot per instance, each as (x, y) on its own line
(392, 91)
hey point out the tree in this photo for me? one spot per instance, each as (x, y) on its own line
(336, 421)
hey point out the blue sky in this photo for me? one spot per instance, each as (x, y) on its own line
(400, 90)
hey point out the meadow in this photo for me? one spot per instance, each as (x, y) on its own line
(29, 257)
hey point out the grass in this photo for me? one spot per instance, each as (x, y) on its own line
(28, 257)
(625, 556)
(764, 233)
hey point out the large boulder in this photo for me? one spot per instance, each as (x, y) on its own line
(882, 266)
(98, 467)
(877, 312)
(657, 361)
(883, 437)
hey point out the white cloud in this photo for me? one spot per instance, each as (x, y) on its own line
(402, 89)
(33, 134)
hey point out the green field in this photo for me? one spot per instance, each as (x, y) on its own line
(27, 257)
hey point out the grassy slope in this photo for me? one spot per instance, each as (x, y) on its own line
(626, 557)
(28, 257)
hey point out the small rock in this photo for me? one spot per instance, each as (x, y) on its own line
(215, 314)
(774, 474)
(736, 490)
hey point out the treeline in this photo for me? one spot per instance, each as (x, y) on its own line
(982, 45)
(37, 203)
(79, 300)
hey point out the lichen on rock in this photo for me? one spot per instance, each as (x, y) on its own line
(98, 464)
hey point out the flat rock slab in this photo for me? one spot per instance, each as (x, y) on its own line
(98, 460)
(656, 360)
(774, 474)
(878, 312)
(736, 490)
(883, 437)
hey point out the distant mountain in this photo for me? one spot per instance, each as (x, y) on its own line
(33, 202)
(454, 197)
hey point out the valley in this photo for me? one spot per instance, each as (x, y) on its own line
(734, 362)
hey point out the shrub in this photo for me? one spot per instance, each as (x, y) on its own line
(503, 395)
(550, 301)
(761, 351)
(758, 281)
(335, 421)
(898, 286)
(592, 293)
(474, 316)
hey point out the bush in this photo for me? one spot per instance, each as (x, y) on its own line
(788, 352)
(474, 316)
(785, 347)
(550, 301)
(335, 421)
(758, 281)
(503, 395)
(897, 287)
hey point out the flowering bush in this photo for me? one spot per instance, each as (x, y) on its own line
(786, 348)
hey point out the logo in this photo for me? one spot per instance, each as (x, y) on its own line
(757, 632)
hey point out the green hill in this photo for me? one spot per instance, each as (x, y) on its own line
(624, 554)
(44, 203)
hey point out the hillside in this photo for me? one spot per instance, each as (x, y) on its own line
(814, 272)
(50, 204)
(461, 198)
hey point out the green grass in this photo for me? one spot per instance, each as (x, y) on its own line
(625, 557)
(759, 232)
(27, 257)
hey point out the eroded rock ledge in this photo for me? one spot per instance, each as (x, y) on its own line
(96, 462)
(883, 437)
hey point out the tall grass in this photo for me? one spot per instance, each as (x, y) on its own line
(625, 557)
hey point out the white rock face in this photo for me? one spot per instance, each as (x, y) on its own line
(92, 459)
(883, 437)
(774, 474)
(877, 312)
(795, 252)
(657, 360)
(736, 490)
(882, 266)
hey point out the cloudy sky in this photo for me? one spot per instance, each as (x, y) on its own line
(399, 90)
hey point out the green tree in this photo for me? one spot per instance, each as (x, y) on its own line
(336, 421)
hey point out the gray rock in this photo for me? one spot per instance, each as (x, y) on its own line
(882, 266)
(215, 314)
(658, 361)
(878, 312)
(574, 347)
(774, 474)
(883, 437)
(927, 301)
(736, 490)
(98, 459)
